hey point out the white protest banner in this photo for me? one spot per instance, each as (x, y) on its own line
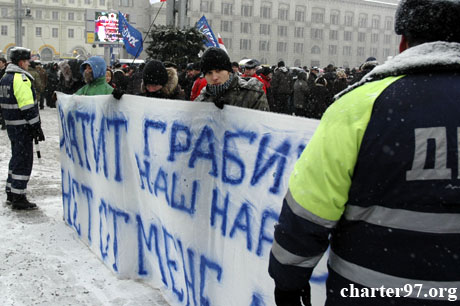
(181, 195)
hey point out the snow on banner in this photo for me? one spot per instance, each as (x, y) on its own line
(181, 195)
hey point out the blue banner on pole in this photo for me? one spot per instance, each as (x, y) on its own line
(132, 38)
(203, 26)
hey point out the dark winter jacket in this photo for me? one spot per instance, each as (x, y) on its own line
(242, 93)
(318, 100)
(282, 82)
(379, 181)
(171, 90)
(300, 90)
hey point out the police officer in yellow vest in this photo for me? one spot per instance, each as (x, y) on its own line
(23, 125)
(379, 181)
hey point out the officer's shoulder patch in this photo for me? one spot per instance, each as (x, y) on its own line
(24, 77)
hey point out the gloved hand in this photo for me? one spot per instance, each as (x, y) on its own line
(219, 103)
(37, 132)
(117, 93)
(293, 298)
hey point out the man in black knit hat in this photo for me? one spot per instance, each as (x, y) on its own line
(226, 87)
(161, 82)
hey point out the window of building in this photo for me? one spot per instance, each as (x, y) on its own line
(360, 51)
(228, 43)
(206, 6)
(227, 9)
(362, 21)
(55, 1)
(298, 32)
(266, 11)
(374, 52)
(300, 13)
(4, 12)
(4, 30)
(335, 16)
(264, 45)
(332, 49)
(361, 37)
(71, 1)
(71, 16)
(283, 13)
(387, 39)
(46, 54)
(245, 44)
(246, 27)
(88, 2)
(102, 2)
(315, 50)
(386, 53)
(317, 15)
(226, 26)
(38, 31)
(316, 33)
(348, 19)
(55, 15)
(282, 30)
(38, 14)
(23, 31)
(54, 32)
(265, 29)
(347, 50)
(298, 48)
(348, 36)
(70, 33)
(333, 35)
(281, 46)
(375, 22)
(375, 38)
(246, 10)
(388, 23)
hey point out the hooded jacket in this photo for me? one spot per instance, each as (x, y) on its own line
(171, 90)
(241, 92)
(99, 85)
(379, 182)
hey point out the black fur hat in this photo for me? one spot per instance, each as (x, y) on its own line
(155, 73)
(428, 20)
(215, 59)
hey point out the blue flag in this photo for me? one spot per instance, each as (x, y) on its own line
(203, 26)
(131, 37)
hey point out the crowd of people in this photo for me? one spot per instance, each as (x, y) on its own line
(299, 91)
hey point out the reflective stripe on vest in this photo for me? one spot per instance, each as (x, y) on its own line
(434, 223)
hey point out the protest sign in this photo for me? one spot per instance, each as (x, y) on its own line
(180, 194)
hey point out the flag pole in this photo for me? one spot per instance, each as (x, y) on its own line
(148, 31)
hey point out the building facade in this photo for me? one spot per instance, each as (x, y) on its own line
(302, 32)
(59, 29)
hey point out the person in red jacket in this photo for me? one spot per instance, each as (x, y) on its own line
(198, 85)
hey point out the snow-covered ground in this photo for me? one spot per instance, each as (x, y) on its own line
(42, 261)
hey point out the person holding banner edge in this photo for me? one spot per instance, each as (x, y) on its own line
(226, 87)
(379, 180)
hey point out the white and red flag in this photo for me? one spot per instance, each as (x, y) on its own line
(221, 43)
(156, 1)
